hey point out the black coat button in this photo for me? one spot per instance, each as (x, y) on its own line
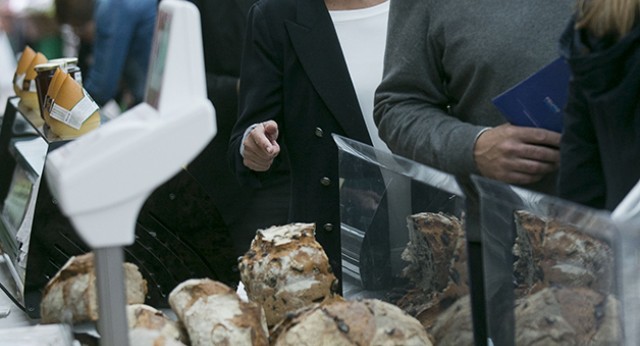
(325, 181)
(328, 227)
(319, 132)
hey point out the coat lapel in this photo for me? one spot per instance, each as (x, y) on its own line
(314, 39)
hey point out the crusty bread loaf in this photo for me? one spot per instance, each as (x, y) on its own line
(213, 314)
(453, 326)
(151, 337)
(437, 266)
(286, 269)
(141, 316)
(550, 253)
(350, 323)
(436, 252)
(70, 296)
(568, 316)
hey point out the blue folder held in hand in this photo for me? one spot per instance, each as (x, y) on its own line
(539, 100)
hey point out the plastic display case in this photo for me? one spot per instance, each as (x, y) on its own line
(403, 239)
(554, 270)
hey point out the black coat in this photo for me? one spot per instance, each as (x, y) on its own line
(601, 140)
(223, 29)
(293, 72)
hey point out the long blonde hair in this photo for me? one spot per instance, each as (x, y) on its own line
(602, 17)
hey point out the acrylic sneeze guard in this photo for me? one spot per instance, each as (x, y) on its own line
(556, 272)
(403, 239)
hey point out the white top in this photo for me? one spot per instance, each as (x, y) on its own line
(362, 34)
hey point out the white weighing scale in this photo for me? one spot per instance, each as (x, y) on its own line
(102, 179)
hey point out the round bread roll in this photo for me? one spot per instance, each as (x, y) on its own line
(568, 316)
(454, 325)
(70, 296)
(151, 337)
(350, 323)
(141, 316)
(286, 269)
(213, 314)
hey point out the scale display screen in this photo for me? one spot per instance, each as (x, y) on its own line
(158, 59)
(15, 205)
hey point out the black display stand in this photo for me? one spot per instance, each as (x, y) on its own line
(179, 235)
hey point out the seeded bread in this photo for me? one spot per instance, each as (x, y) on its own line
(70, 296)
(350, 323)
(213, 314)
(286, 269)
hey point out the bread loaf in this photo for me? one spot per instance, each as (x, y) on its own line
(70, 296)
(141, 316)
(568, 316)
(437, 266)
(213, 314)
(549, 253)
(286, 269)
(350, 323)
(453, 326)
(151, 337)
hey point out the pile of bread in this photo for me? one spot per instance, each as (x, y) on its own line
(564, 285)
(67, 109)
(436, 257)
(564, 279)
(291, 293)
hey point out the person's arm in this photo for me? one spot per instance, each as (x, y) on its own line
(260, 101)
(411, 108)
(516, 154)
(110, 48)
(413, 117)
(581, 178)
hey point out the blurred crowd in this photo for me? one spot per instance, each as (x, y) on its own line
(25, 22)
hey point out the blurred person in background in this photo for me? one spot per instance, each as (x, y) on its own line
(243, 210)
(31, 22)
(119, 33)
(7, 67)
(600, 144)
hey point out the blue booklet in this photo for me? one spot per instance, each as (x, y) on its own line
(539, 100)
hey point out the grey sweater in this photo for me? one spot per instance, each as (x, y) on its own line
(446, 59)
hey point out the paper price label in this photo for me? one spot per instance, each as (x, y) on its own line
(78, 114)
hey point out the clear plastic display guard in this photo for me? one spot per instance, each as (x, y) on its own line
(511, 219)
(379, 193)
(374, 183)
